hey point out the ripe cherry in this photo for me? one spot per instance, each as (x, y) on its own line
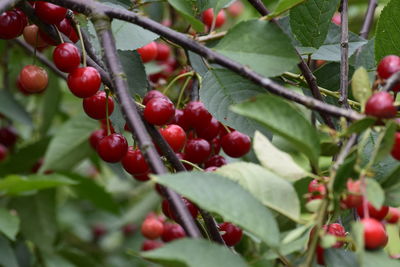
(11, 25)
(151, 245)
(316, 190)
(32, 36)
(172, 232)
(152, 228)
(388, 66)
(235, 9)
(393, 215)
(95, 106)
(50, 13)
(67, 58)
(112, 148)
(153, 94)
(96, 137)
(334, 229)
(380, 105)
(208, 16)
(193, 210)
(216, 145)
(148, 52)
(23, 17)
(159, 111)
(175, 136)
(375, 235)
(66, 28)
(84, 82)
(163, 52)
(232, 235)
(8, 136)
(33, 79)
(373, 212)
(180, 119)
(209, 131)
(196, 115)
(354, 197)
(134, 162)
(3, 152)
(236, 144)
(215, 161)
(142, 177)
(396, 146)
(197, 150)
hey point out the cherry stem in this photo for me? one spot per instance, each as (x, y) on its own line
(35, 48)
(192, 164)
(107, 117)
(59, 35)
(191, 73)
(183, 91)
(226, 128)
(78, 29)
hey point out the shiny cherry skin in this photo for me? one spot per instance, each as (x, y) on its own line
(11, 25)
(209, 131)
(380, 105)
(134, 162)
(142, 177)
(148, 52)
(3, 152)
(152, 228)
(33, 79)
(66, 28)
(32, 36)
(232, 235)
(151, 245)
(8, 136)
(180, 119)
(112, 148)
(67, 58)
(96, 137)
(393, 215)
(159, 111)
(50, 13)
(163, 52)
(84, 82)
(373, 212)
(95, 106)
(197, 150)
(353, 197)
(23, 17)
(208, 16)
(215, 161)
(375, 236)
(175, 136)
(153, 94)
(388, 66)
(172, 232)
(316, 190)
(166, 209)
(332, 229)
(236, 144)
(396, 146)
(196, 114)
(216, 145)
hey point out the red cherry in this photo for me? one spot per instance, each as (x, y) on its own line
(194, 211)
(236, 144)
(393, 215)
(232, 235)
(183, 156)
(209, 131)
(67, 58)
(163, 52)
(3, 152)
(196, 114)
(215, 161)
(165, 208)
(112, 148)
(32, 36)
(197, 150)
(66, 28)
(337, 19)
(388, 66)
(128, 229)
(33, 79)
(8, 136)
(216, 145)
(316, 190)
(23, 17)
(84, 82)
(180, 119)
(175, 136)
(336, 230)
(103, 125)
(95, 106)
(353, 198)
(396, 146)
(159, 111)
(153, 94)
(142, 177)
(208, 16)
(375, 235)
(172, 232)
(11, 25)
(235, 9)
(380, 105)
(151, 245)
(134, 162)
(152, 228)
(50, 13)
(373, 212)
(96, 137)
(148, 52)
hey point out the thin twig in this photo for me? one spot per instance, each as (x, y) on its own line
(210, 37)
(393, 81)
(259, 6)
(344, 51)
(368, 19)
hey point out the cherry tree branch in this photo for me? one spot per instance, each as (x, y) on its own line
(88, 7)
(369, 18)
(344, 51)
(392, 82)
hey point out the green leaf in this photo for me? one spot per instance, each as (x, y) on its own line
(387, 39)
(90, 190)
(283, 119)
(310, 21)
(15, 184)
(378, 258)
(218, 194)
(38, 218)
(122, 3)
(198, 64)
(283, 6)
(223, 88)
(7, 255)
(375, 194)
(260, 45)
(9, 223)
(385, 141)
(360, 125)
(270, 189)
(194, 253)
(366, 57)
(135, 72)
(340, 257)
(217, 5)
(276, 160)
(10, 107)
(70, 144)
(361, 86)
(393, 246)
(51, 102)
(189, 12)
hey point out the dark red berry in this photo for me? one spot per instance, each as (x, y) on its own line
(353, 197)
(11, 25)
(196, 115)
(396, 146)
(194, 211)
(95, 106)
(112, 148)
(197, 150)
(84, 82)
(8, 136)
(66, 28)
(172, 232)
(380, 105)
(216, 145)
(67, 58)
(23, 17)
(163, 52)
(33, 79)
(151, 245)
(98, 231)
(232, 235)
(208, 131)
(180, 119)
(128, 229)
(134, 162)
(208, 17)
(337, 230)
(3, 152)
(148, 52)
(96, 137)
(159, 111)
(166, 209)
(373, 212)
(393, 215)
(142, 177)
(215, 161)
(182, 156)
(316, 190)
(375, 235)
(152, 228)
(50, 13)
(175, 136)
(236, 144)
(153, 94)
(388, 66)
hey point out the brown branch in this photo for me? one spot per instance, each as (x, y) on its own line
(368, 19)
(344, 51)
